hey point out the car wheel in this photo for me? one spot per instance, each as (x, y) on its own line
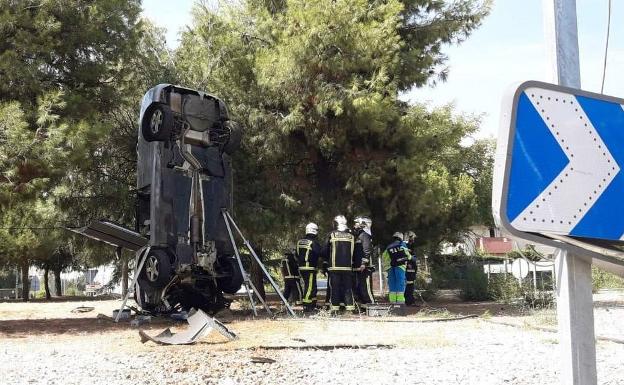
(234, 279)
(157, 122)
(157, 269)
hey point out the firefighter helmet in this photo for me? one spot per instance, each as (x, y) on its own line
(362, 222)
(340, 222)
(311, 228)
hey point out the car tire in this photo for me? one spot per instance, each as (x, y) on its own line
(157, 268)
(236, 135)
(231, 283)
(157, 123)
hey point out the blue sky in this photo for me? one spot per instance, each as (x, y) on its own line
(509, 47)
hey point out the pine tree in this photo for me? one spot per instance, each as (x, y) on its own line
(317, 86)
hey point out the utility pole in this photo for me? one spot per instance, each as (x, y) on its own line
(575, 312)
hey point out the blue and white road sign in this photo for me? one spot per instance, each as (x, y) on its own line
(558, 166)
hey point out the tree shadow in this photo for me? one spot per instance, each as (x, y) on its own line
(74, 326)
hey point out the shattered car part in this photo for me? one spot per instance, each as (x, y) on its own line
(200, 324)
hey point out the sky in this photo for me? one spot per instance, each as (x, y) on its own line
(508, 48)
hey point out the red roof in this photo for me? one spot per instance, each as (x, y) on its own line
(494, 245)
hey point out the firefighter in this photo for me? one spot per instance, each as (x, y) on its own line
(411, 270)
(394, 258)
(339, 255)
(364, 253)
(292, 280)
(308, 254)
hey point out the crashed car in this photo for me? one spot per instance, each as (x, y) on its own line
(184, 181)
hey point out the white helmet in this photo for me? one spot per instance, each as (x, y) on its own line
(362, 222)
(398, 235)
(311, 228)
(340, 222)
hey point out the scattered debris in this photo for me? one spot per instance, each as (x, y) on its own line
(378, 310)
(83, 309)
(299, 339)
(200, 324)
(262, 360)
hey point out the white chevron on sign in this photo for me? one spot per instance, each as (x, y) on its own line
(590, 170)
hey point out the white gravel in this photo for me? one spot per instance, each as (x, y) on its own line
(460, 352)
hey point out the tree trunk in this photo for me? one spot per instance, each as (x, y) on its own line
(256, 274)
(124, 272)
(46, 283)
(25, 280)
(57, 283)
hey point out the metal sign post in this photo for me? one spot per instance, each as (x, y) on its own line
(575, 306)
(557, 181)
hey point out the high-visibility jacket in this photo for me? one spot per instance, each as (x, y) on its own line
(308, 252)
(289, 266)
(339, 251)
(396, 255)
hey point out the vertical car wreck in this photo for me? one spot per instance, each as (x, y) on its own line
(184, 181)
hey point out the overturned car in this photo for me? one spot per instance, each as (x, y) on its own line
(184, 185)
(184, 180)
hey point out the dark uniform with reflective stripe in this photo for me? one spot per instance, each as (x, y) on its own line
(410, 281)
(308, 254)
(339, 254)
(364, 279)
(292, 282)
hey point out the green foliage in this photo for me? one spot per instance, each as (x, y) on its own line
(317, 85)
(73, 73)
(504, 288)
(604, 280)
(474, 284)
(426, 284)
(529, 252)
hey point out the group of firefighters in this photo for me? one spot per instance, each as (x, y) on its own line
(346, 259)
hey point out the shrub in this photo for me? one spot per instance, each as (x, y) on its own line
(426, 284)
(507, 289)
(504, 288)
(474, 286)
(605, 280)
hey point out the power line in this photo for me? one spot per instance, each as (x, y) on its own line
(604, 67)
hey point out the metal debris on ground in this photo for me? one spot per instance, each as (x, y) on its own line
(83, 309)
(378, 310)
(200, 324)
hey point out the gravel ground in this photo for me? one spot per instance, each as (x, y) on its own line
(470, 351)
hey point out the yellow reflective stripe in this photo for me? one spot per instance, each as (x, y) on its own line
(309, 292)
(307, 268)
(339, 269)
